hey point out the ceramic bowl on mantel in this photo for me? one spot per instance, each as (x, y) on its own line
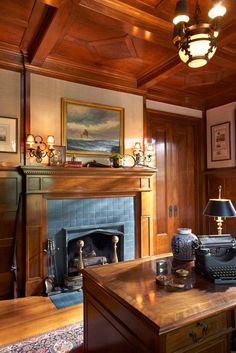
(183, 244)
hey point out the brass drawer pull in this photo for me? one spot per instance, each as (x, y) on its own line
(202, 331)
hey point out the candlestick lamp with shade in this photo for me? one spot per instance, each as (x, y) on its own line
(220, 209)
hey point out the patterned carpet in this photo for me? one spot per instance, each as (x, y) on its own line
(67, 339)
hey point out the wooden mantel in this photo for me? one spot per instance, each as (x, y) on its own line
(44, 183)
(86, 180)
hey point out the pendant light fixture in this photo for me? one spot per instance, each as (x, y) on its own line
(197, 43)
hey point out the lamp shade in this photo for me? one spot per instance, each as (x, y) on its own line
(181, 12)
(219, 208)
(50, 140)
(218, 10)
(30, 139)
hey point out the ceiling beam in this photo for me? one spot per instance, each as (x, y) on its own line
(53, 3)
(38, 12)
(126, 13)
(159, 73)
(55, 23)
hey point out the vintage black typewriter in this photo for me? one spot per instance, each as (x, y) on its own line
(216, 258)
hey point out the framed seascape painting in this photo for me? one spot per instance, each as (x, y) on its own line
(220, 142)
(90, 128)
(8, 135)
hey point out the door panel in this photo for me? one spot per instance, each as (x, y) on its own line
(164, 208)
(175, 194)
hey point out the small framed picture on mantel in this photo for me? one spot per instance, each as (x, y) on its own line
(220, 142)
(59, 156)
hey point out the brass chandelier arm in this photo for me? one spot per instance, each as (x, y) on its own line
(196, 44)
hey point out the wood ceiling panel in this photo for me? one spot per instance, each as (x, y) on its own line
(126, 44)
(106, 42)
(132, 66)
(91, 26)
(207, 82)
(10, 34)
(16, 9)
(80, 51)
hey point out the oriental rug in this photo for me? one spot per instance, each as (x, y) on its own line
(67, 339)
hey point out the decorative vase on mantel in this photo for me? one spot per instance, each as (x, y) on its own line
(183, 244)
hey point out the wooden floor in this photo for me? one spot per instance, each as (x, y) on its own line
(25, 317)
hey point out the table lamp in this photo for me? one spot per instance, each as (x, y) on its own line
(219, 209)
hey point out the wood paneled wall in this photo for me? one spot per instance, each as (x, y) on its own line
(10, 225)
(227, 179)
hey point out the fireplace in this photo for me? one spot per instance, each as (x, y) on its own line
(47, 186)
(95, 221)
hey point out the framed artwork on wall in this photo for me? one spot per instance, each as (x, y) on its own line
(220, 142)
(92, 129)
(8, 135)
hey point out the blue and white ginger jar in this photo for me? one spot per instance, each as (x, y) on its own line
(183, 244)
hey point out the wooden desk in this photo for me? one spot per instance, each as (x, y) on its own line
(125, 311)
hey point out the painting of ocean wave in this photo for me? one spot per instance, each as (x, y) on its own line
(92, 128)
(81, 145)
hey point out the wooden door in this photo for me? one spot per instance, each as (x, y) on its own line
(176, 178)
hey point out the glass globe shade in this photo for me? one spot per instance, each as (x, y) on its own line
(199, 48)
(217, 11)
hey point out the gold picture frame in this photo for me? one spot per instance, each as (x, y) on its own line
(91, 128)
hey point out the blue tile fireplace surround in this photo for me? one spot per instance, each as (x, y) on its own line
(71, 219)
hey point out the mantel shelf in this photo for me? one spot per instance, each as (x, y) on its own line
(90, 171)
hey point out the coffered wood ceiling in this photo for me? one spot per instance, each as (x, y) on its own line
(121, 44)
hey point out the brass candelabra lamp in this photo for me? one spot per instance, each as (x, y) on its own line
(38, 148)
(141, 157)
(220, 209)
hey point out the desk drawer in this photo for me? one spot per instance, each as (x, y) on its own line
(196, 333)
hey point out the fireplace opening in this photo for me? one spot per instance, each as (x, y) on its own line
(98, 249)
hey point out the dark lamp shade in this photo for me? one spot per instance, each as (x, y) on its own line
(181, 8)
(219, 208)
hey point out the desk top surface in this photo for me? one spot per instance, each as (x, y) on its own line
(134, 284)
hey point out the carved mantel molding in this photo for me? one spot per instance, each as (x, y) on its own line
(87, 171)
(86, 180)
